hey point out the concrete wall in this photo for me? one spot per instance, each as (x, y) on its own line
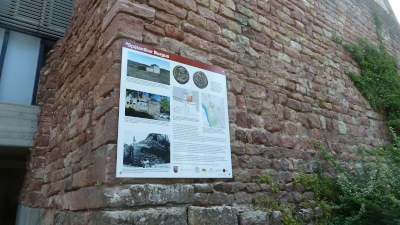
(18, 124)
(286, 87)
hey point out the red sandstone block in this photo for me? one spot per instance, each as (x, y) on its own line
(206, 13)
(154, 29)
(197, 42)
(264, 5)
(103, 64)
(35, 185)
(150, 39)
(221, 62)
(106, 129)
(174, 32)
(272, 125)
(242, 135)
(235, 84)
(160, 23)
(123, 25)
(196, 20)
(39, 162)
(262, 38)
(231, 101)
(109, 81)
(39, 151)
(226, 12)
(187, 4)
(84, 198)
(258, 137)
(167, 18)
(221, 20)
(243, 119)
(105, 104)
(258, 47)
(171, 45)
(186, 27)
(291, 52)
(247, 60)
(274, 139)
(276, 46)
(313, 120)
(97, 170)
(80, 179)
(256, 106)
(168, 7)
(125, 6)
(33, 199)
(223, 52)
(41, 140)
(255, 91)
(54, 155)
(206, 35)
(221, 41)
(291, 129)
(213, 27)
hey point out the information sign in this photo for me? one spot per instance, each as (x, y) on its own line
(173, 116)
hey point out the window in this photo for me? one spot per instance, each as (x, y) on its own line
(20, 62)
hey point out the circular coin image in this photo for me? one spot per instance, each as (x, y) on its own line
(200, 79)
(181, 74)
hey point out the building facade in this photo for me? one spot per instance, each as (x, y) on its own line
(28, 32)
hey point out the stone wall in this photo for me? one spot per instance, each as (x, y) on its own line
(286, 87)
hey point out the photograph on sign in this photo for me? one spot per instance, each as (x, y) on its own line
(173, 117)
(147, 105)
(144, 150)
(147, 68)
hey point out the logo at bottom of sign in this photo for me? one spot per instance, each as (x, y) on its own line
(175, 169)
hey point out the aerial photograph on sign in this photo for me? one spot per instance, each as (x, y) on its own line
(146, 150)
(147, 105)
(148, 68)
(185, 102)
(213, 112)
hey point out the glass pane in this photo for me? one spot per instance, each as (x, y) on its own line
(2, 31)
(19, 70)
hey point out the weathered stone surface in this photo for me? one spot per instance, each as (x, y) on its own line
(254, 218)
(148, 216)
(313, 120)
(203, 188)
(150, 194)
(212, 215)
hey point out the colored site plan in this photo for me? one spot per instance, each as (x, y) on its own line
(213, 112)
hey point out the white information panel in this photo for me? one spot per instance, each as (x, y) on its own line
(173, 117)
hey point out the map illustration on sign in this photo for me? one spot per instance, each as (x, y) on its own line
(213, 112)
(185, 102)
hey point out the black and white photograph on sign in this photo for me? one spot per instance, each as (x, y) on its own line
(147, 105)
(146, 150)
(213, 112)
(148, 68)
(185, 102)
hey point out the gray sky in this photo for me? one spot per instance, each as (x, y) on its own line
(396, 8)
